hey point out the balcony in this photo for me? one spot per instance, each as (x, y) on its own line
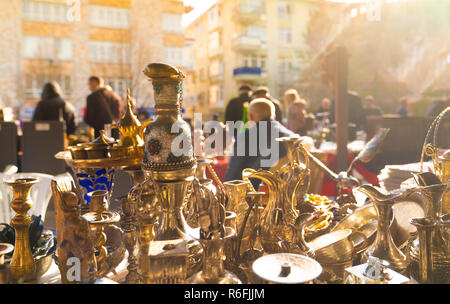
(247, 43)
(214, 52)
(249, 15)
(248, 74)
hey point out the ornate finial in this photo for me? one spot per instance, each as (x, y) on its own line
(129, 119)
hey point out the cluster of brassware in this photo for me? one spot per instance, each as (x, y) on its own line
(178, 226)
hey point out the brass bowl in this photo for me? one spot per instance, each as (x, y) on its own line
(337, 246)
(333, 247)
(364, 220)
(97, 152)
(121, 152)
(78, 152)
(43, 264)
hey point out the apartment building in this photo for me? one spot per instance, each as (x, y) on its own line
(68, 41)
(257, 42)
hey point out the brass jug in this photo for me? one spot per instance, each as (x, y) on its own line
(237, 192)
(384, 247)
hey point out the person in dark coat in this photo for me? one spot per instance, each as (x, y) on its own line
(235, 107)
(247, 151)
(403, 110)
(371, 109)
(53, 107)
(356, 114)
(437, 106)
(103, 106)
(263, 92)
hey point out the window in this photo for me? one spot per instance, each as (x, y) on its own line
(213, 42)
(284, 66)
(34, 84)
(216, 95)
(108, 16)
(111, 52)
(174, 55)
(253, 61)
(46, 12)
(285, 36)
(213, 18)
(284, 9)
(119, 85)
(47, 48)
(215, 68)
(252, 6)
(255, 31)
(172, 23)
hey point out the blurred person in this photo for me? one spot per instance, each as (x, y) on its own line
(260, 111)
(437, 106)
(403, 109)
(289, 97)
(355, 111)
(263, 92)
(53, 107)
(143, 115)
(103, 106)
(299, 121)
(236, 107)
(370, 108)
(324, 109)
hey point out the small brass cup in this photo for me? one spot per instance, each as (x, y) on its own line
(337, 246)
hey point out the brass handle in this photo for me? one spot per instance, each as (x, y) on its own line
(363, 245)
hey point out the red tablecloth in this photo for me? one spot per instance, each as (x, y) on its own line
(328, 186)
(220, 165)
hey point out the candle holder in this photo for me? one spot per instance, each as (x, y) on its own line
(23, 267)
(98, 219)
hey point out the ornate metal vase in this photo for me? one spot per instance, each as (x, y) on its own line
(169, 161)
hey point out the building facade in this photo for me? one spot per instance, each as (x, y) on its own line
(256, 42)
(69, 40)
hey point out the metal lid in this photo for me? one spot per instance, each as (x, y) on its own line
(286, 268)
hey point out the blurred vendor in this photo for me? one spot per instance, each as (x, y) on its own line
(256, 147)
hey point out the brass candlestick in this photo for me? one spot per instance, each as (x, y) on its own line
(98, 219)
(22, 267)
(129, 225)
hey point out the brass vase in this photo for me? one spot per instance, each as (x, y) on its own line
(213, 271)
(445, 178)
(23, 267)
(236, 191)
(436, 245)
